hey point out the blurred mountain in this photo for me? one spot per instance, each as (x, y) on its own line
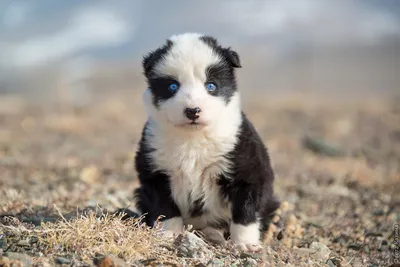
(284, 45)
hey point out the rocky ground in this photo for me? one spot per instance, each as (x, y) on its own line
(337, 171)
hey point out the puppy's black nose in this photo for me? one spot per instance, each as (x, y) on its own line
(191, 113)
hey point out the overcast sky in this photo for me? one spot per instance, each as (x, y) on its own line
(39, 32)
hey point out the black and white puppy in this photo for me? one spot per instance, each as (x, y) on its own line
(200, 161)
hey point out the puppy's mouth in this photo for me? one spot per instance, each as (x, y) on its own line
(191, 125)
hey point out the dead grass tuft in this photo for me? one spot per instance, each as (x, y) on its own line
(89, 235)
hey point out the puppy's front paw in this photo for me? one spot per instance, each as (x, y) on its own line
(171, 228)
(246, 237)
(245, 247)
(169, 235)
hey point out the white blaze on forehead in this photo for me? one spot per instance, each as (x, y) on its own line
(188, 58)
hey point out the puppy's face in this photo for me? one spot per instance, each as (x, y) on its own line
(191, 82)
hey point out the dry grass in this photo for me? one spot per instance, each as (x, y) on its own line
(88, 235)
(51, 156)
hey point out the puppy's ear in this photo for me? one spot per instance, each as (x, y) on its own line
(232, 57)
(211, 41)
(153, 57)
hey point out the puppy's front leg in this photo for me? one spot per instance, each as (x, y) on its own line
(245, 225)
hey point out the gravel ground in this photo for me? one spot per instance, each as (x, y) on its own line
(337, 171)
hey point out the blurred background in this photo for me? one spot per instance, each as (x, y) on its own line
(343, 47)
(320, 81)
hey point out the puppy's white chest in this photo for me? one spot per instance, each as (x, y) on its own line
(194, 167)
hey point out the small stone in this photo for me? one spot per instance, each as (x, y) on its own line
(275, 219)
(4, 261)
(354, 246)
(42, 262)
(3, 242)
(304, 251)
(285, 206)
(25, 259)
(215, 262)
(322, 251)
(330, 263)
(191, 246)
(319, 146)
(61, 260)
(246, 255)
(110, 261)
(23, 243)
(317, 251)
(249, 262)
(90, 174)
(378, 212)
(334, 261)
(280, 235)
(292, 219)
(287, 242)
(33, 240)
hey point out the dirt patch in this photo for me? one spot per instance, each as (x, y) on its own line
(340, 188)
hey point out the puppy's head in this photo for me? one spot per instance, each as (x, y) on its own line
(191, 82)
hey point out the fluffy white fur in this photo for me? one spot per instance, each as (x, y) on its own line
(194, 159)
(247, 237)
(193, 156)
(187, 61)
(174, 225)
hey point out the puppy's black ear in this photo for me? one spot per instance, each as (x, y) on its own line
(232, 57)
(211, 41)
(153, 57)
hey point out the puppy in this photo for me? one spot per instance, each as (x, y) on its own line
(200, 160)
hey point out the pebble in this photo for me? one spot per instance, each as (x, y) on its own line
(191, 246)
(249, 262)
(24, 258)
(275, 219)
(322, 251)
(110, 261)
(285, 206)
(23, 243)
(317, 251)
(330, 263)
(61, 260)
(90, 174)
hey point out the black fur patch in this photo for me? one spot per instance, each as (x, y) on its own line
(197, 208)
(159, 88)
(250, 191)
(249, 188)
(232, 57)
(151, 59)
(222, 74)
(154, 196)
(249, 185)
(224, 77)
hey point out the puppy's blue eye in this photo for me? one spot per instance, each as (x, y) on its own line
(211, 87)
(173, 87)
